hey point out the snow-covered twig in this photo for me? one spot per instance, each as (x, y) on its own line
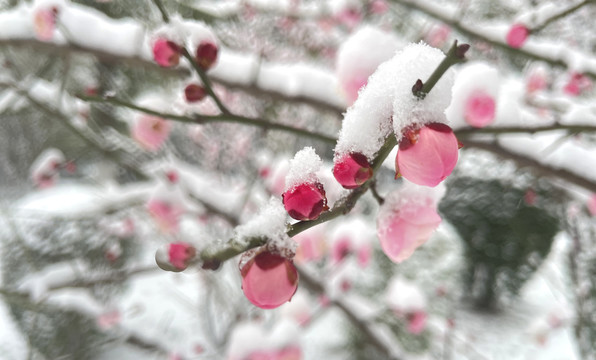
(559, 15)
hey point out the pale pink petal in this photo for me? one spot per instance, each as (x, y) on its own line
(406, 230)
(341, 248)
(364, 254)
(479, 110)
(150, 131)
(592, 205)
(352, 85)
(517, 35)
(166, 214)
(269, 280)
(289, 353)
(379, 7)
(108, 320)
(428, 158)
(44, 23)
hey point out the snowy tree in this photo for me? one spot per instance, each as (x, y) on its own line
(297, 179)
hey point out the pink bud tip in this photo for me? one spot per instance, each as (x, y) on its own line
(305, 201)
(166, 53)
(517, 35)
(44, 23)
(269, 280)
(194, 93)
(428, 155)
(180, 254)
(416, 322)
(480, 110)
(405, 229)
(150, 131)
(352, 170)
(206, 54)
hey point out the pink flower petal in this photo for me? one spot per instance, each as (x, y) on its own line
(517, 35)
(479, 110)
(44, 23)
(352, 170)
(150, 131)
(406, 229)
(166, 215)
(305, 201)
(352, 85)
(592, 205)
(269, 280)
(427, 156)
(416, 322)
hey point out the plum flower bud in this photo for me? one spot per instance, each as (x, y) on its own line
(305, 201)
(416, 322)
(175, 257)
(194, 93)
(577, 84)
(352, 170)
(150, 131)
(45, 169)
(44, 23)
(166, 53)
(269, 280)
(428, 155)
(206, 55)
(480, 110)
(517, 35)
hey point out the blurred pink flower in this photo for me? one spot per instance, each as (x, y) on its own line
(349, 17)
(517, 35)
(269, 280)
(379, 6)
(44, 23)
(108, 320)
(311, 245)
(438, 35)
(479, 109)
(403, 230)
(150, 131)
(352, 170)
(352, 85)
(592, 205)
(577, 84)
(416, 322)
(166, 214)
(305, 201)
(536, 81)
(166, 53)
(428, 155)
(287, 353)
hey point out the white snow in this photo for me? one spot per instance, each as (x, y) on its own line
(303, 168)
(404, 296)
(270, 223)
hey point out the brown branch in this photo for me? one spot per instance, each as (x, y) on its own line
(524, 161)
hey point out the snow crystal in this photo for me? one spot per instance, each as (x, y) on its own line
(303, 168)
(269, 223)
(247, 338)
(404, 296)
(360, 55)
(389, 94)
(471, 78)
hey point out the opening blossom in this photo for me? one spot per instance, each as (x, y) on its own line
(479, 109)
(427, 155)
(166, 53)
(352, 170)
(517, 35)
(150, 131)
(269, 280)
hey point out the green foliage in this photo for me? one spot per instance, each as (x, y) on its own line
(505, 239)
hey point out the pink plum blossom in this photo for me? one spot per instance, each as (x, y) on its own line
(577, 84)
(379, 6)
(341, 248)
(479, 109)
(305, 201)
(537, 80)
(311, 245)
(45, 170)
(438, 35)
(402, 230)
(108, 320)
(269, 280)
(194, 93)
(428, 155)
(206, 55)
(416, 322)
(517, 35)
(180, 254)
(165, 213)
(166, 53)
(352, 170)
(150, 131)
(349, 17)
(44, 23)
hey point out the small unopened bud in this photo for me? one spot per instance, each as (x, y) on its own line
(206, 55)
(175, 256)
(305, 201)
(194, 93)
